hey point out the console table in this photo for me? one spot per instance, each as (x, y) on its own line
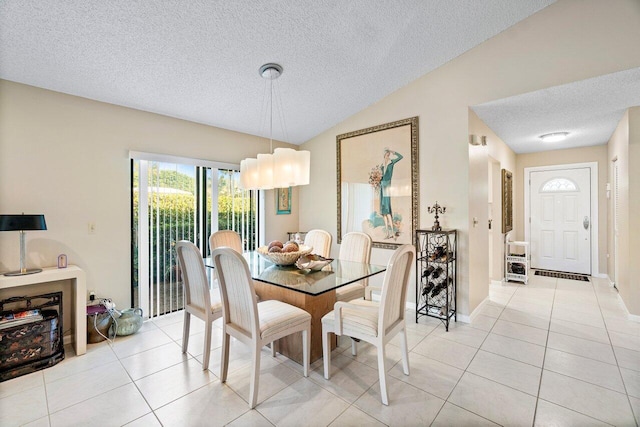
(78, 282)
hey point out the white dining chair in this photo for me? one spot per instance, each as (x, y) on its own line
(199, 300)
(254, 323)
(375, 323)
(320, 241)
(228, 238)
(355, 246)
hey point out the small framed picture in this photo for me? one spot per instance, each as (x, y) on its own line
(283, 201)
(62, 261)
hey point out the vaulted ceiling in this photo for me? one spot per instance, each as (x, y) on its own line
(198, 60)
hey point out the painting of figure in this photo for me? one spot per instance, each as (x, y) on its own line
(377, 189)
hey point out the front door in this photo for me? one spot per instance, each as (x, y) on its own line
(561, 220)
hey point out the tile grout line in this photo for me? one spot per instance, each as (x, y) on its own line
(578, 379)
(615, 356)
(191, 357)
(544, 357)
(465, 370)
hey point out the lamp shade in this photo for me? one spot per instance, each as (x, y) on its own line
(22, 222)
(265, 171)
(291, 167)
(284, 160)
(303, 167)
(249, 174)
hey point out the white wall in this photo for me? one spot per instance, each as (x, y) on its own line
(67, 157)
(568, 41)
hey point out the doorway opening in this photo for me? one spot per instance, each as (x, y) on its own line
(561, 217)
(175, 199)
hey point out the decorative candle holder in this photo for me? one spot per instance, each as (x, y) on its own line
(437, 209)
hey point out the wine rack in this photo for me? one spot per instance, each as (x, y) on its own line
(436, 274)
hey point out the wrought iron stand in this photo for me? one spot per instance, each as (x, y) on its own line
(436, 274)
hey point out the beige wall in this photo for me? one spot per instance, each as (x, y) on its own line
(596, 154)
(67, 157)
(500, 156)
(568, 41)
(632, 296)
(624, 148)
(618, 150)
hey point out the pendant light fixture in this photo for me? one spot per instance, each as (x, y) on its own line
(282, 167)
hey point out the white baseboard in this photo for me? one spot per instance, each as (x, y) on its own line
(610, 281)
(601, 276)
(477, 310)
(632, 317)
(67, 340)
(461, 317)
(497, 282)
(464, 318)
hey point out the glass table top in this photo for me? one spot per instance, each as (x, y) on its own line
(333, 276)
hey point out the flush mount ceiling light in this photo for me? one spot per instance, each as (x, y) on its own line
(281, 168)
(554, 137)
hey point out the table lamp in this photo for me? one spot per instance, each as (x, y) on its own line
(22, 223)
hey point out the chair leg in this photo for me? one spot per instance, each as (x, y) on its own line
(185, 331)
(255, 378)
(405, 352)
(207, 346)
(326, 353)
(306, 345)
(382, 373)
(354, 347)
(273, 349)
(224, 363)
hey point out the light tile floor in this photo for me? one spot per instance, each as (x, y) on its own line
(553, 352)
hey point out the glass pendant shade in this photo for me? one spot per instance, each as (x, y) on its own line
(284, 168)
(265, 172)
(291, 167)
(249, 174)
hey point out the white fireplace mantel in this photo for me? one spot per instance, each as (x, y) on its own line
(78, 280)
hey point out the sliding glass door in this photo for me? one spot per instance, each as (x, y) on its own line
(180, 201)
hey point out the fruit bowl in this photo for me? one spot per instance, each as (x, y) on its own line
(283, 258)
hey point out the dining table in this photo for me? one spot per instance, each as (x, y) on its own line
(311, 290)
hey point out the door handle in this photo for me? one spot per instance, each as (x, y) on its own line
(585, 222)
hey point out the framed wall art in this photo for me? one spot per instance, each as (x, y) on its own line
(507, 201)
(377, 182)
(283, 201)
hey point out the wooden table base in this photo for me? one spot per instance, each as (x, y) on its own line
(316, 305)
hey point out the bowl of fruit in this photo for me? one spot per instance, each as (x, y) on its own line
(286, 253)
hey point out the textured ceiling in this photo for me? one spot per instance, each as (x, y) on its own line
(198, 60)
(589, 110)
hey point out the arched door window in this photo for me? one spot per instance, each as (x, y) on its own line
(559, 185)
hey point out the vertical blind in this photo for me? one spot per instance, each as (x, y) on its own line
(176, 200)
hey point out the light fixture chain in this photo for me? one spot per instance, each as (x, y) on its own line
(278, 96)
(271, 111)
